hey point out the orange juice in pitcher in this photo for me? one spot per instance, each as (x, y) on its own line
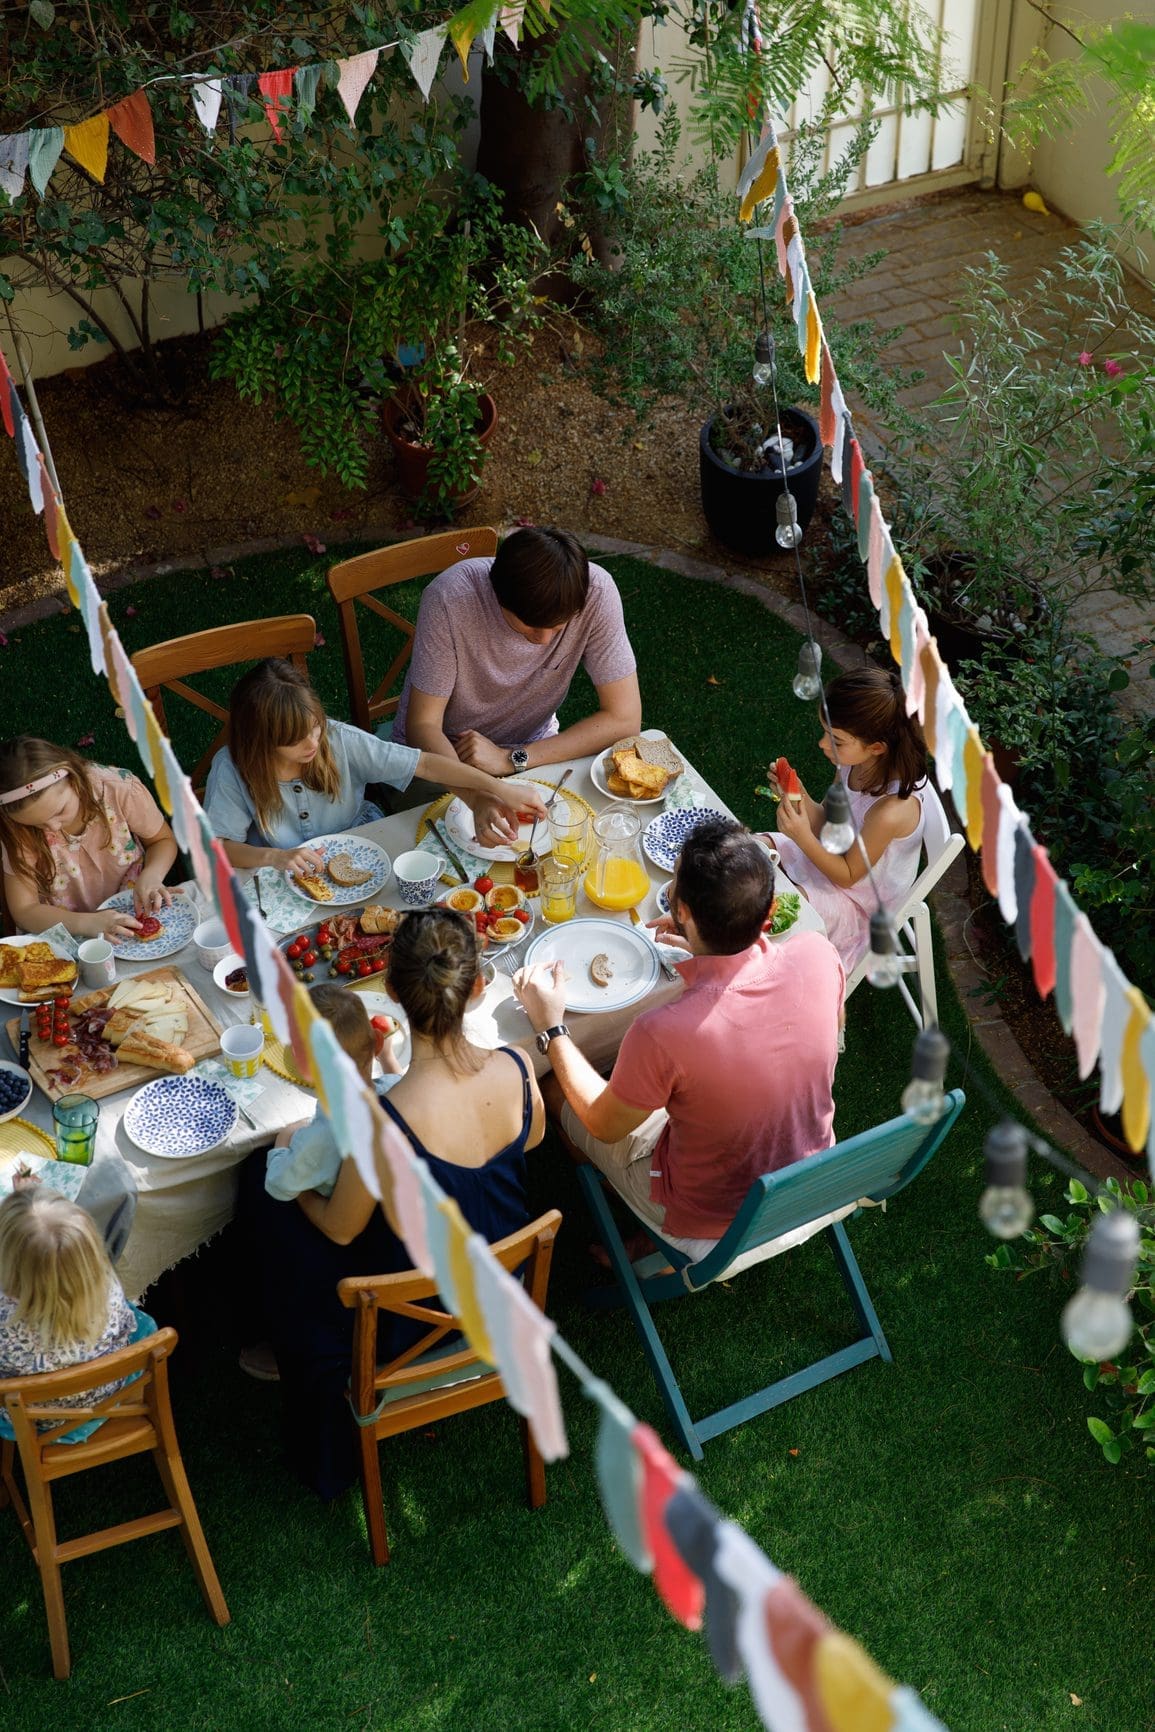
(617, 878)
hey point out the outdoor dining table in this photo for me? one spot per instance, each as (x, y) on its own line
(183, 1202)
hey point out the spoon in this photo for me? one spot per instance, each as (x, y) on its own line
(528, 859)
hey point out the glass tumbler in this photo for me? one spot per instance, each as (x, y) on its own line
(76, 1118)
(559, 882)
(569, 832)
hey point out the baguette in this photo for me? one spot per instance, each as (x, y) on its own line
(145, 1049)
(378, 919)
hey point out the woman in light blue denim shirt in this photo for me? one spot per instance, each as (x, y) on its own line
(289, 774)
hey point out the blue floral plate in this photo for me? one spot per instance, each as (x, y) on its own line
(664, 836)
(177, 923)
(366, 857)
(179, 1115)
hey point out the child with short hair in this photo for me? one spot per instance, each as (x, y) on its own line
(880, 756)
(60, 1300)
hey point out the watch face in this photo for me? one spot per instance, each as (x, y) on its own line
(519, 759)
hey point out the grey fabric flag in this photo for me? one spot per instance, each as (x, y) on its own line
(1024, 888)
(44, 146)
(237, 87)
(308, 78)
(13, 162)
(692, 1524)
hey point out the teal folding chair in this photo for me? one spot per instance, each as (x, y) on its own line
(795, 1203)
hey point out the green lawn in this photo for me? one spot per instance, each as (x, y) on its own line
(950, 1511)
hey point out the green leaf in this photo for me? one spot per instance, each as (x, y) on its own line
(42, 12)
(1090, 1376)
(1077, 1191)
(1113, 1451)
(1053, 1224)
(1147, 1383)
(1100, 1431)
(1144, 1421)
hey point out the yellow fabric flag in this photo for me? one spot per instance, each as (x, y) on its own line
(109, 666)
(761, 187)
(813, 339)
(87, 144)
(461, 1269)
(461, 34)
(1136, 1087)
(854, 1693)
(302, 1015)
(159, 778)
(973, 761)
(66, 538)
(893, 581)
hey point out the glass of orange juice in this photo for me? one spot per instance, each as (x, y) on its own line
(569, 832)
(559, 882)
(617, 878)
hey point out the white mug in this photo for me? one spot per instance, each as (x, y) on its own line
(212, 943)
(417, 874)
(242, 1046)
(97, 963)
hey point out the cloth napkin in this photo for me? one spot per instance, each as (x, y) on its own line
(241, 1089)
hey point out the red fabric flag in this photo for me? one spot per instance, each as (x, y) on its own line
(273, 86)
(857, 467)
(224, 885)
(6, 397)
(680, 1589)
(131, 120)
(796, 1627)
(991, 811)
(51, 506)
(1043, 921)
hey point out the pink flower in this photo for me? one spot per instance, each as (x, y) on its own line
(86, 740)
(1112, 369)
(180, 505)
(319, 640)
(3, 641)
(130, 613)
(1086, 359)
(597, 487)
(312, 543)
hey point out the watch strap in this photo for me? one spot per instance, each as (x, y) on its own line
(548, 1035)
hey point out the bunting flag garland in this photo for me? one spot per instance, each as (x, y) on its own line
(308, 80)
(87, 145)
(992, 817)
(1024, 870)
(424, 57)
(1136, 1086)
(1043, 923)
(7, 394)
(131, 120)
(693, 1527)
(796, 1629)
(973, 756)
(31, 466)
(759, 177)
(207, 96)
(13, 162)
(1009, 819)
(679, 1588)
(854, 1694)
(619, 1474)
(1064, 941)
(511, 17)
(45, 144)
(461, 34)
(353, 75)
(1116, 1009)
(276, 90)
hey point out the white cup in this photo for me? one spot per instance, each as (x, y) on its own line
(97, 963)
(242, 1047)
(417, 874)
(212, 943)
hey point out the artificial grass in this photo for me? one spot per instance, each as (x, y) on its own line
(949, 1510)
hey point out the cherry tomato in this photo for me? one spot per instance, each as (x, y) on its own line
(293, 950)
(483, 885)
(324, 934)
(379, 966)
(364, 970)
(344, 966)
(62, 1003)
(523, 915)
(309, 958)
(302, 939)
(60, 1040)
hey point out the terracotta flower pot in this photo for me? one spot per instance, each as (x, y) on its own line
(413, 460)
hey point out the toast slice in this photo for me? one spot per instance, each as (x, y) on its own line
(313, 886)
(55, 971)
(343, 872)
(601, 969)
(659, 752)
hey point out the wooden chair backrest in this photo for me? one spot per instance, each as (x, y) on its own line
(167, 666)
(876, 1163)
(36, 1400)
(355, 581)
(407, 1294)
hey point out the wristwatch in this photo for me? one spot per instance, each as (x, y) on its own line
(548, 1034)
(519, 758)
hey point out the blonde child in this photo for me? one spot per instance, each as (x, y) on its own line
(880, 756)
(71, 835)
(60, 1300)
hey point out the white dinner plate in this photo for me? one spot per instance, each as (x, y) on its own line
(458, 822)
(576, 942)
(11, 994)
(177, 923)
(365, 855)
(601, 782)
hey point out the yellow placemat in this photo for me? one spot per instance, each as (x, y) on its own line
(280, 1061)
(501, 871)
(21, 1136)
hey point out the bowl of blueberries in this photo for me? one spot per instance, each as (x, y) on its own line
(15, 1089)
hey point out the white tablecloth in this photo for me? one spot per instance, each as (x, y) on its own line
(182, 1203)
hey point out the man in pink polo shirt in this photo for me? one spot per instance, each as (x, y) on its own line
(730, 1080)
(497, 644)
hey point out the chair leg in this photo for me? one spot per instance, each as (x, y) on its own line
(7, 1457)
(924, 954)
(856, 1288)
(44, 1533)
(593, 1186)
(372, 1495)
(175, 1481)
(534, 1468)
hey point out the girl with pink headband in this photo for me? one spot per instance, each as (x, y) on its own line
(74, 833)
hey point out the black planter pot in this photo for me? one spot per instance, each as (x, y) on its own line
(740, 505)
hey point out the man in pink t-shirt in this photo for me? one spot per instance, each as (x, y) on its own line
(730, 1080)
(498, 642)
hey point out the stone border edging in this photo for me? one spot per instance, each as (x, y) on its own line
(994, 1035)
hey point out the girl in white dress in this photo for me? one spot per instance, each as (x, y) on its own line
(880, 756)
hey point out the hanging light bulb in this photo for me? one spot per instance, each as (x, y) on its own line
(883, 962)
(763, 359)
(1097, 1324)
(837, 834)
(789, 531)
(1005, 1207)
(808, 679)
(923, 1098)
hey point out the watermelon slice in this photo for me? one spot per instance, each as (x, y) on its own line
(788, 781)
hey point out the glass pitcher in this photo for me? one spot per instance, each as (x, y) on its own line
(617, 877)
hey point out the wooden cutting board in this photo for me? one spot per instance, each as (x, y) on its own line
(202, 1040)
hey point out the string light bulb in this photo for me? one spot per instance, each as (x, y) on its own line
(1005, 1207)
(789, 531)
(884, 960)
(1097, 1323)
(837, 833)
(808, 679)
(763, 360)
(924, 1098)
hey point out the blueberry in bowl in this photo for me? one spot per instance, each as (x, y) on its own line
(15, 1089)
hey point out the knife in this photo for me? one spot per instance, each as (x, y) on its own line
(453, 860)
(664, 962)
(25, 1033)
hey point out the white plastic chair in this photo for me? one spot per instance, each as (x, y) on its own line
(942, 845)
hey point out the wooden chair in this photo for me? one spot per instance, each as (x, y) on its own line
(356, 580)
(780, 1211)
(431, 1379)
(136, 1417)
(167, 666)
(941, 845)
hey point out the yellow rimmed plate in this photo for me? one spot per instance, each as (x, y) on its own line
(22, 1137)
(501, 871)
